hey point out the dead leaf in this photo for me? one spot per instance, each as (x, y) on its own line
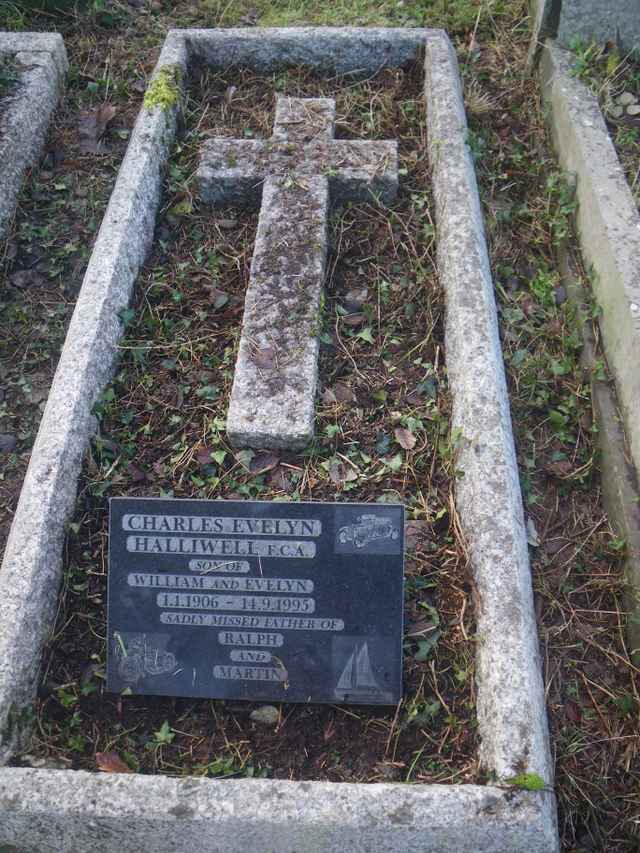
(329, 397)
(561, 468)
(265, 357)
(203, 456)
(554, 546)
(110, 762)
(219, 297)
(250, 18)
(262, 462)
(26, 278)
(405, 438)
(279, 480)
(329, 730)
(354, 319)
(92, 125)
(136, 474)
(343, 393)
(337, 472)
(573, 711)
(415, 532)
(533, 537)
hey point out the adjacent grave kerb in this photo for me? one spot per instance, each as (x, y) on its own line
(586, 21)
(303, 168)
(41, 61)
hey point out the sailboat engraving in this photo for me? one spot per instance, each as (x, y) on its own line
(357, 681)
(357, 673)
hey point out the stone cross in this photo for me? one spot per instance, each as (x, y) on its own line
(297, 172)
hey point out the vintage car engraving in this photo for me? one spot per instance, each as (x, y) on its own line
(368, 528)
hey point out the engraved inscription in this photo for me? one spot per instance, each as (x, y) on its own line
(237, 600)
(221, 547)
(250, 656)
(278, 623)
(290, 585)
(262, 603)
(137, 523)
(250, 638)
(230, 566)
(250, 673)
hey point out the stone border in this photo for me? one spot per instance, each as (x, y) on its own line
(608, 225)
(607, 221)
(619, 482)
(63, 811)
(55, 811)
(23, 127)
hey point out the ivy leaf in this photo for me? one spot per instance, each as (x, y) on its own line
(395, 463)
(426, 645)
(383, 443)
(208, 392)
(182, 208)
(244, 457)
(366, 335)
(164, 734)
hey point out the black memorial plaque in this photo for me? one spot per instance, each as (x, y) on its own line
(289, 602)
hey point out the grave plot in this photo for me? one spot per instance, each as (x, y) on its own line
(350, 458)
(32, 72)
(381, 352)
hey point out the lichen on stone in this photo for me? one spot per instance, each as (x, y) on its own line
(164, 89)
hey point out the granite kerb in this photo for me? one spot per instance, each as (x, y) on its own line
(49, 809)
(608, 224)
(31, 570)
(41, 61)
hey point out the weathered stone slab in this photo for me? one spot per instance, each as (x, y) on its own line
(510, 696)
(41, 66)
(65, 811)
(303, 168)
(602, 21)
(356, 51)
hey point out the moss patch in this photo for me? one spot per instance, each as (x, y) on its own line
(164, 89)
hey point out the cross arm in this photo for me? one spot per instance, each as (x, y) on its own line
(231, 171)
(363, 170)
